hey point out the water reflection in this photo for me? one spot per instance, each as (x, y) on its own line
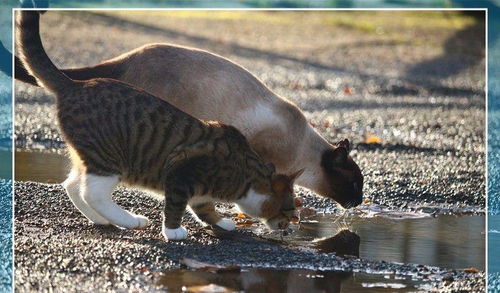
(253, 280)
(446, 241)
(41, 167)
(272, 280)
(291, 280)
(345, 243)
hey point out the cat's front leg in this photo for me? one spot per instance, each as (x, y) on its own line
(206, 212)
(176, 201)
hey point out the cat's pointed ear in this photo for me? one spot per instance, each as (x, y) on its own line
(345, 144)
(295, 175)
(334, 158)
(271, 167)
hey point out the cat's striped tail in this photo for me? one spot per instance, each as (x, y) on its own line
(33, 54)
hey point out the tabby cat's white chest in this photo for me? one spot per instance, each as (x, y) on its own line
(251, 204)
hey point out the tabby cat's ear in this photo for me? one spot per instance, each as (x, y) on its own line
(271, 167)
(296, 175)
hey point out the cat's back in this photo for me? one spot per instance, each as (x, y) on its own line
(196, 81)
(101, 93)
(99, 103)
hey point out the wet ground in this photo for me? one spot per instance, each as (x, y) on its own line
(406, 84)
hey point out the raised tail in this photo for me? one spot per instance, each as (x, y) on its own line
(22, 74)
(107, 69)
(33, 54)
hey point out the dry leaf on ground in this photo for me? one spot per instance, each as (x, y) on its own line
(471, 270)
(373, 139)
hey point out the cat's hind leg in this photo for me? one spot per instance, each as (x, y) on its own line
(96, 191)
(72, 186)
(207, 213)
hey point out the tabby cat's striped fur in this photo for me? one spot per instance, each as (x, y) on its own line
(116, 132)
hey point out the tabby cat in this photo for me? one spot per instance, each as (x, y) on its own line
(118, 133)
(211, 87)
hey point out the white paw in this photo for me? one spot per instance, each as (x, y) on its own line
(132, 221)
(175, 234)
(226, 224)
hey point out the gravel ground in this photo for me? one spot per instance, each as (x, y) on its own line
(56, 247)
(417, 86)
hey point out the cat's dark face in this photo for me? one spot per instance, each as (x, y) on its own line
(343, 179)
(279, 210)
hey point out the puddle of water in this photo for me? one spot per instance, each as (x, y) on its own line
(446, 241)
(41, 167)
(272, 280)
